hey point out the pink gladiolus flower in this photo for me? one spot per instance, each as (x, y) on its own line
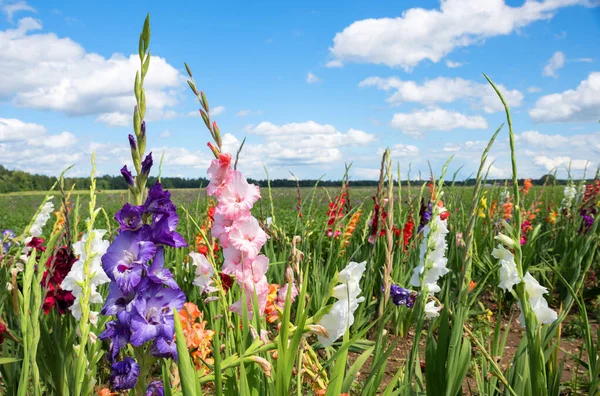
(282, 294)
(238, 197)
(219, 173)
(221, 228)
(247, 236)
(262, 291)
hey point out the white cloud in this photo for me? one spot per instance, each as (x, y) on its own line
(12, 129)
(64, 139)
(554, 64)
(215, 111)
(435, 120)
(534, 89)
(115, 118)
(453, 65)
(12, 8)
(311, 78)
(402, 150)
(431, 34)
(246, 113)
(551, 163)
(334, 64)
(69, 79)
(584, 60)
(538, 139)
(445, 90)
(575, 105)
(165, 134)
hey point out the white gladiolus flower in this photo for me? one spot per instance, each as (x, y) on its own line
(41, 219)
(434, 235)
(508, 268)
(432, 310)
(570, 193)
(74, 279)
(204, 273)
(539, 305)
(341, 316)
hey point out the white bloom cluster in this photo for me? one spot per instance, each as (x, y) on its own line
(204, 273)
(341, 316)
(535, 295)
(508, 268)
(434, 236)
(509, 277)
(75, 278)
(570, 193)
(41, 219)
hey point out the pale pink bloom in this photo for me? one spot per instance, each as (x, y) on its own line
(262, 291)
(282, 294)
(232, 260)
(221, 227)
(238, 197)
(219, 174)
(247, 236)
(204, 273)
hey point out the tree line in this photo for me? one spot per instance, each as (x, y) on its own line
(15, 180)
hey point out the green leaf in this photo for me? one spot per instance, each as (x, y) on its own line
(353, 371)
(8, 360)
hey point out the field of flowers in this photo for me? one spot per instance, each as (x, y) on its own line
(234, 290)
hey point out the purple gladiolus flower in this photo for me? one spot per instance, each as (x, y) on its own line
(410, 301)
(147, 164)
(165, 348)
(143, 129)
(155, 389)
(152, 314)
(117, 301)
(127, 175)
(399, 295)
(125, 374)
(6, 239)
(125, 259)
(118, 334)
(159, 201)
(130, 217)
(157, 272)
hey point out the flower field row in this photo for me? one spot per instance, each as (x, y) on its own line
(232, 289)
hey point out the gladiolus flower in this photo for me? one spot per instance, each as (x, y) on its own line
(539, 305)
(508, 268)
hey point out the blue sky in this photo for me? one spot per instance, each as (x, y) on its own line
(312, 85)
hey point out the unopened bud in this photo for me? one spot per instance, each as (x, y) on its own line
(147, 164)
(263, 363)
(204, 101)
(211, 299)
(213, 149)
(93, 318)
(318, 330)
(127, 175)
(506, 240)
(93, 337)
(289, 275)
(206, 119)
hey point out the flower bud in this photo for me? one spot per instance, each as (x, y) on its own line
(147, 164)
(213, 149)
(263, 363)
(127, 175)
(132, 143)
(319, 330)
(506, 240)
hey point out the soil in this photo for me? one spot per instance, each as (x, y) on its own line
(567, 347)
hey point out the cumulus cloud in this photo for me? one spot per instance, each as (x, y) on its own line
(435, 120)
(11, 9)
(554, 64)
(71, 80)
(430, 34)
(64, 139)
(575, 105)
(445, 90)
(453, 65)
(12, 129)
(552, 163)
(311, 78)
(402, 150)
(115, 119)
(215, 111)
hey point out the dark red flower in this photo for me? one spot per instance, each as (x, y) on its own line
(2, 332)
(226, 281)
(58, 266)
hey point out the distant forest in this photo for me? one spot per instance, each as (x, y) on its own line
(14, 180)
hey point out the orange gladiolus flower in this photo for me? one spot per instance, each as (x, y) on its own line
(527, 184)
(271, 308)
(197, 337)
